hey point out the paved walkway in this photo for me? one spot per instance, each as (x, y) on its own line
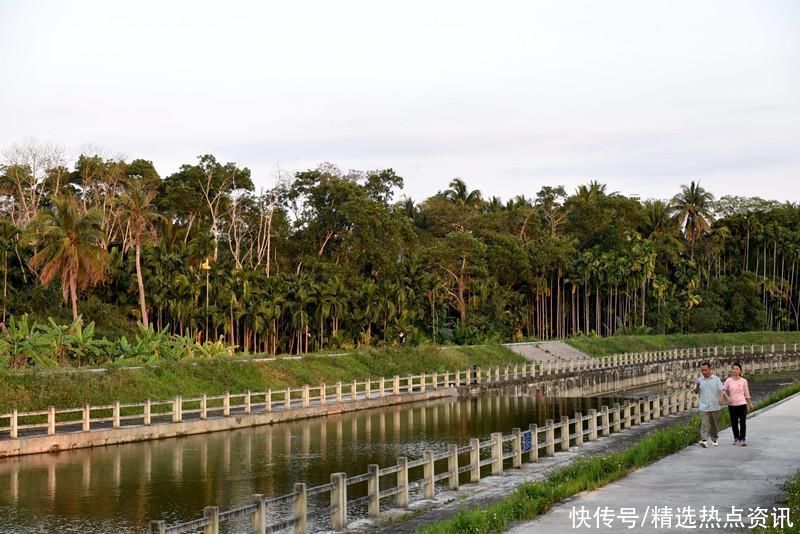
(670, 495)
(547, 351)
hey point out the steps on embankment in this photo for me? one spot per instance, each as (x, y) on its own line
(547, 351)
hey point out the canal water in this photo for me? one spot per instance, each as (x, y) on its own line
(121, 488)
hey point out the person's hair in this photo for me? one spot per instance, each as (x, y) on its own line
(737, 364)
(706, 364)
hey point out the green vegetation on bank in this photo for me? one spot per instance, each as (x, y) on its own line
(792, 502)
(32, 389)
(535, 498)
(604, 346)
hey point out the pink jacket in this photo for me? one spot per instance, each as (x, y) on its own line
(738, 392)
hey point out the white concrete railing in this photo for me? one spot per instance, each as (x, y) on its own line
(87, 417)
(498, 453)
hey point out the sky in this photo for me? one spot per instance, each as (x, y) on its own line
(508, 96)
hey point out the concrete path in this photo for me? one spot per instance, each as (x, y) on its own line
(547, 351)
(671, 494)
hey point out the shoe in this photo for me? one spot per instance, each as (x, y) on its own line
(742, 444)
(714, 443)
(736, 442)
(703, 443)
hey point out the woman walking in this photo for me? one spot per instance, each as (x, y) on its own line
(738, 394)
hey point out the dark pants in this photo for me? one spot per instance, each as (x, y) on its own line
(738, 421)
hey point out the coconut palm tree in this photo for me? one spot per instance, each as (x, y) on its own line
(459, 193)
(692, 209)
(69, 249)
(138, 215)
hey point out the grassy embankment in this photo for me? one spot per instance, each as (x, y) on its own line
(29, 390)
(534, 498)
(603, 346)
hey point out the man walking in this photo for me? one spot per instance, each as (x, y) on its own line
(709, 386)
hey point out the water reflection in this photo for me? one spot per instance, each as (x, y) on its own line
(120, 488)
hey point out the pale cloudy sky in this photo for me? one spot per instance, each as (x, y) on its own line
(510, 96)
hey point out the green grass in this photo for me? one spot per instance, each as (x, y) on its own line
(535, 498)
(792, 502)
(29, 390)
(603, 346)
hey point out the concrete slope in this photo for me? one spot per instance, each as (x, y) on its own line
(547, 351)
(689, 490)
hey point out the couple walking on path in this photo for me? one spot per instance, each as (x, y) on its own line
(712, 394)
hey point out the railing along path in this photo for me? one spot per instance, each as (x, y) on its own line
(395, 485)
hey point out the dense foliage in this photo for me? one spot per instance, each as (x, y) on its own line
(330, 259)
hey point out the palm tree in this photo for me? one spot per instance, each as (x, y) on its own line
(138, 215)
(70, 248)
(460, 194)
(692, 209)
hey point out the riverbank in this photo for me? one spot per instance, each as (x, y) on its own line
(605, 346)
(28, 390)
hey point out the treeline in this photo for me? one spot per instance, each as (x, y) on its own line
(331, 259)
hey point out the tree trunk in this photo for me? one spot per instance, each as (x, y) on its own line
(140, 283)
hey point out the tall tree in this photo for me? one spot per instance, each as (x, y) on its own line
(69, 248)
(138, 216)
(692, 208)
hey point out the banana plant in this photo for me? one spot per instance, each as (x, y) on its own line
(24, 345)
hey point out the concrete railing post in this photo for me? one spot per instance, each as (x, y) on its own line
(592, 425)
(374, 490)
(410, 384)
(14, 424)
(338, 392)
(475, 460)
(427, 469)
(396, 385)
(435, 381)
(497, 453)
(212, 514)
(452, 466)
(605, 426)
(204, 407)
(306, 396)
(158, 527)
(268, 400)
(339, 501)
(422, 382)
(402, 482)
(533, 455)
(300, 508)
(147, 412)
(248, 402)
(637, 412)
(382, 387)
(648, 403)
(516, 446)
(549, 438)
(87, 418)
(579, 429)
(354, 390)
(115, 417)
(226, 404)
(564, 433)
(323, 394)
(51, 420)
(259, 518)
(177, 411)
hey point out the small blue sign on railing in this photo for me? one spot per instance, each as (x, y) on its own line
(526, 441)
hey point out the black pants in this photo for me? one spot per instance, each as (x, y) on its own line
(738, 421)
